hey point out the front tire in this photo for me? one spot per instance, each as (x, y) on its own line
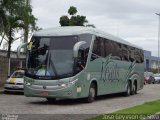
(92, 93)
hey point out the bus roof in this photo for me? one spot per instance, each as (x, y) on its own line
(77, 30)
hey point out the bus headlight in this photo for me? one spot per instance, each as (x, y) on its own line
(27, 83)
(68, 83)
(63, 85)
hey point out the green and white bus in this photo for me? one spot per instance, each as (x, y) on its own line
(81, 62)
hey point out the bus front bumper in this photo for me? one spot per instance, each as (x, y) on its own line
(71, 91)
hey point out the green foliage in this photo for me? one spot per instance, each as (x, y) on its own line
(72, 10)
(74, 20)
(64, 21)
(15, 15)
(26, 14)
(77, 20)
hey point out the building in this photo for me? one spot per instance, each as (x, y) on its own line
(150, 62)
(14, 64)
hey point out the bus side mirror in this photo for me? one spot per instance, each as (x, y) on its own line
(19, 49)
(77, 47)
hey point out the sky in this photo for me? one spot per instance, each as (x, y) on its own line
(131, 20)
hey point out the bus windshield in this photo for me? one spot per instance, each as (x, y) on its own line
(51, 57)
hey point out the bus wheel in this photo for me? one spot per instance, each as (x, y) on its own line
(92, 93)
(128, 91)
(51, 99)
(134, 89)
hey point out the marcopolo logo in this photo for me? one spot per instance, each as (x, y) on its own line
(44, 87)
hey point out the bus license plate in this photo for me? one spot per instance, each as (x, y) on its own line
(44, 93)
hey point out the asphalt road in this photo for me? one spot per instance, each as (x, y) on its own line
(70, 109)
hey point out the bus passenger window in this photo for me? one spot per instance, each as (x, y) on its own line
(109, 49)
(141, 56)
(137, 56)
(131, 54)
(125, 53)
(95, 51)
(106, 48)
(116, 51)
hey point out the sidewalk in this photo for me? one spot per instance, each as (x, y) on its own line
(1, 90)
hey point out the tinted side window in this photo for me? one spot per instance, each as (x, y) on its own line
(103, 47)
(107, 47)
(136, 54)
(116, 51)
(139, 57)
(95, 50)
(131, 54)
(98, 47)
(142, 56)
(125, 53)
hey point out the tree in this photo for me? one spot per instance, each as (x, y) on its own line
(2, 23)
(74, 20)
(72, 10)
(10, 21)
(28, 19)
(16, 16)
(77, 20)
(64, 21)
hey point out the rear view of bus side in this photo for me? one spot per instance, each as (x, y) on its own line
(81, 62)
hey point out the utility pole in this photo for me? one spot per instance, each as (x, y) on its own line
(158, 39)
